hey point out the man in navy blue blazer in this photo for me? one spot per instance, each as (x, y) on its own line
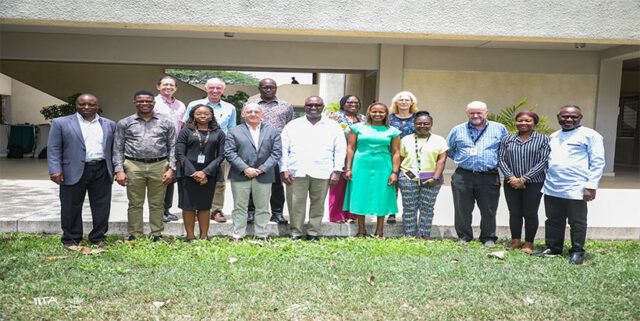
(79, 158)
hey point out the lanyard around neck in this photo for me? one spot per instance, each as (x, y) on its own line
(475, 140)
(418, 151)
(205, 140)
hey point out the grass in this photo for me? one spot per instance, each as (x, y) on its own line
(328, 280)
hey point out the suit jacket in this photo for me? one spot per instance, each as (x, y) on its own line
(241, 152)
(188, 149)
(66, 151)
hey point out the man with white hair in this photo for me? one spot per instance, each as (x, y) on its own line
(253, 149)
(225, 114)
(474, 148)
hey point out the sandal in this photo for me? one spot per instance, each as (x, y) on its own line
(362, 235)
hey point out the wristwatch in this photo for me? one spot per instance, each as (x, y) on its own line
(395, 172)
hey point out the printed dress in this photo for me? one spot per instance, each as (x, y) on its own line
(337, 191)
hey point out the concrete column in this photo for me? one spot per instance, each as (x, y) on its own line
(390, 72)
(331, 87)
(354, 84)
(608, 98)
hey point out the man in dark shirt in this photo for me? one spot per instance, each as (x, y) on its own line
(144, 160)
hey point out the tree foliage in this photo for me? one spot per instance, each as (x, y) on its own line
(55, 111)
(507, 117)
(201, 76)
(237, 100)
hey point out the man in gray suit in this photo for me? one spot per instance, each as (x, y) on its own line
(79, 158)
(253, 149)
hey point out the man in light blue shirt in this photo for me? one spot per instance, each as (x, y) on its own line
(474, 148)
(576, 164)
(225, 114)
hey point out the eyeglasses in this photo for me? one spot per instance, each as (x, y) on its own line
(202, 114)
(313, 105)
(353, 102)
(144, 101)
(268, 87)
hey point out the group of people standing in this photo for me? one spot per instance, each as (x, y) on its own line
(360, 160)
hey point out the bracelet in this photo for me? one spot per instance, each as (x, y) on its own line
(521, 181)
(347, 170)
(395, 172)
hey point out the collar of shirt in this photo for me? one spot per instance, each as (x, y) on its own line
(154, 115)
(471, 126)
(80, 118)
(166, 101)
(275, 100)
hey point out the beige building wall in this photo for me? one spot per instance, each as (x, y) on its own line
(26, 103)
(445, 94)
(114, 85)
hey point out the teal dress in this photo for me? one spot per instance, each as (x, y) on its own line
(368, 193)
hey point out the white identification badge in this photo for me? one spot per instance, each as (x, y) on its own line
(473, 151)
(201, 159)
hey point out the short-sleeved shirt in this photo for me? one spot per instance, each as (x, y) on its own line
(405, 125)
(277, 113)
(428, 150)
(345, 121)
(224, 112)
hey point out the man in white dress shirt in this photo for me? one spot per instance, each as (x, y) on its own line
(313, 153)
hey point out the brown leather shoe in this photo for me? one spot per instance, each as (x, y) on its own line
(219, 217)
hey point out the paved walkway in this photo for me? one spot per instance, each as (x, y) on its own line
(32, 206)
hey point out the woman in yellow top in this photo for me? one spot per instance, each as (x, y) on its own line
(423, 156)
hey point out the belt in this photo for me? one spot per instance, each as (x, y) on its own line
(94, 162)
(491, 171)
(146, 160)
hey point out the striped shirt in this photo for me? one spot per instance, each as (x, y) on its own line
(526, 159)
(476, 149)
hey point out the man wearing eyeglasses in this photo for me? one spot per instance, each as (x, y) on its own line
(225, 114)
(576, 163)
(313, 153)
(172, 108)
(277, 113)
(144, 161)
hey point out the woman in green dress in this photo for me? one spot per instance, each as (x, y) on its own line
(373, 161)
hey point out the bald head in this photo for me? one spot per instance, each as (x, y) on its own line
(267, 88)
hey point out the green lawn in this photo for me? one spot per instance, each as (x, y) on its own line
(328, 280)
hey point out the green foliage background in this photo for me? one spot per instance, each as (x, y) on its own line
(507, 117)
(55, 111)
(201, 76)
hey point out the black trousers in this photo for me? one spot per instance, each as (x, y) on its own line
(95, 180)
(277, 195)
(168, 196)
(523, 203)
(558, 211)
(468, 189)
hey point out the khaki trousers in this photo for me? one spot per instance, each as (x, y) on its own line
(261, 194)
(145, 178)
(316, 190)
(218, 195)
